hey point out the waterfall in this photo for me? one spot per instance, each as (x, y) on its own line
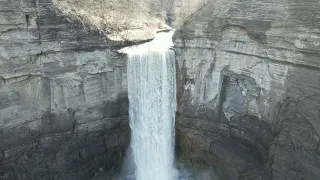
(152, 95)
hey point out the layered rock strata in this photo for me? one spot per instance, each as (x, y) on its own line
(248, 89)
(63, 96)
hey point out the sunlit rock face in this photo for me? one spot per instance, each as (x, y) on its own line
(129, 20)
(248, 89)
(63, 96)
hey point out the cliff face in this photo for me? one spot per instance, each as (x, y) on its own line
(63, 93)
(63, 102)
(129, 20)
(249, 88)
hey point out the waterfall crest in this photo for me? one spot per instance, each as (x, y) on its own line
(152, 96)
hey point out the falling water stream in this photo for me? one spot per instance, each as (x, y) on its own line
(152, 96)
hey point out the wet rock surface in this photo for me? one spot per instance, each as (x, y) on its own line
(248, 89)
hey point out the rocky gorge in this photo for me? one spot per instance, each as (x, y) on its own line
(248, 90)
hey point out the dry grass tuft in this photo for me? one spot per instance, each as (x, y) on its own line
(120, 20)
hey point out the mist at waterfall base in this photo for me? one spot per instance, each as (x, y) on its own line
(151, 76)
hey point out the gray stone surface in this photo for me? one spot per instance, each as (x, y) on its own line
(248, 88)
(248, 91)
(63, 96)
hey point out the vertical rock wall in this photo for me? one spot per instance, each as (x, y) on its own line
(249, 87)
(63, 96)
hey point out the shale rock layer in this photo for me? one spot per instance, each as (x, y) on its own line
(248, 88)
(63, 100)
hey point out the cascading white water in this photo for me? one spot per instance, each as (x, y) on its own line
(152, 96)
